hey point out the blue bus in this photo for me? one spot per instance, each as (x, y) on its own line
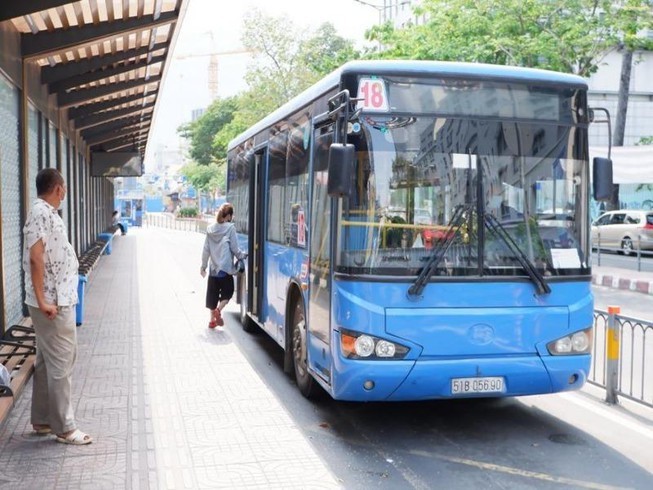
(420, 230)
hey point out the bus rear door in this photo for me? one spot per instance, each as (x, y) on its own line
(256, 213)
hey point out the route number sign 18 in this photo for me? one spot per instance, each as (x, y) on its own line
(372, 95)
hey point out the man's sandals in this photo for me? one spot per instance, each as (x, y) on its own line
(76, 438)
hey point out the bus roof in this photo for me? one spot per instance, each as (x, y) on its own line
(411, 68)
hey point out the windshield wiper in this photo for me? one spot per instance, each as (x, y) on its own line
(538, 280)
(443, 244)
(440, 248)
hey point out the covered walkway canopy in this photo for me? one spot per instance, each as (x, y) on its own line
(102, 61)
(79, 80)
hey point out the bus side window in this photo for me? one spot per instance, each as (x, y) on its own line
(277, 186)
(297, 159)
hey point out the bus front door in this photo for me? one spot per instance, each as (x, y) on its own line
(319, 311)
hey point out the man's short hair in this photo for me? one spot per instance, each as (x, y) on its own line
(47, 179)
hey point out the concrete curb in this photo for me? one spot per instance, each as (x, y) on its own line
(617, 282)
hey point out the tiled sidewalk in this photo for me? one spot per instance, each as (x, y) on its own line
(170, 403)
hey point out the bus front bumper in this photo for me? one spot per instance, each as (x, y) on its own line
(427, 379)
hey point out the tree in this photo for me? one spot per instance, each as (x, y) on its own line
(205, 178)
(571, 36)
(278, 73)
(630, 18)
(325, 51)
(202, 131)
(288, 60)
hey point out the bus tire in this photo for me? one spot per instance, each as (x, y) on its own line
(305, 382)
(245, 320)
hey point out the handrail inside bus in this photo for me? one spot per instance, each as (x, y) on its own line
(389, 224)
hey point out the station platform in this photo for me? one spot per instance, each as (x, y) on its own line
(170, 404)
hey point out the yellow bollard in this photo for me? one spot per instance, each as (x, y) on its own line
(612, 355)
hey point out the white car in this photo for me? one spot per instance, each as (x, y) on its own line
(624, 230)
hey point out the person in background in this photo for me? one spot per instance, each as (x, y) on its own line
(51, 266)
(220, 246)
(115, 219)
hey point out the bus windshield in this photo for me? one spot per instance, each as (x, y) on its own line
(428, 184)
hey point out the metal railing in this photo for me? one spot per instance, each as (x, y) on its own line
(622, 360)
(171, 222)
(634, 248)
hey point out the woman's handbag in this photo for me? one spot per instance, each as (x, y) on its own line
(239, 264)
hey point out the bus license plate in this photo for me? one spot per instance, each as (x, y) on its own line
(463, 386)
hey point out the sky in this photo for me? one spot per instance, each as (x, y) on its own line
(215, 26)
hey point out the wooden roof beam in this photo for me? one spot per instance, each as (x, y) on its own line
(113, 135)
(125, 122)
(63, 85)
(103, 117)
(62, 71)
(46, 43)
(10, 9)
(90, 109)
(85, 95)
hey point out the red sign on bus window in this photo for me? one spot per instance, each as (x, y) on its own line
(372, 95)
(301, 229)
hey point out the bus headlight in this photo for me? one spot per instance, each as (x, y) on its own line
(356, 345)
(577, 343)
(364, 346)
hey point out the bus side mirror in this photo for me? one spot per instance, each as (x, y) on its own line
(602, 179)
(341, 169)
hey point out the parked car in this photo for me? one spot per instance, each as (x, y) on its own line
(623, 230)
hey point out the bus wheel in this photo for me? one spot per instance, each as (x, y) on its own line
(245, 320)
(305, 381)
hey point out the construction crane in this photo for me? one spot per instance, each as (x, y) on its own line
(213, 66)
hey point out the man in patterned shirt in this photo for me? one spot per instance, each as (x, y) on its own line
(51, 278)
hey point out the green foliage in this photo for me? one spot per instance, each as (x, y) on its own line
(277, 73)
(188, 213)
(205, 177)
(202, 131)
(325, 51)
(252, 107)
(288, 61)
(646, 140)
(564, 35)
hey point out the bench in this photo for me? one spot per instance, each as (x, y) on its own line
(107, 238)
(17, 355)
(87, 261)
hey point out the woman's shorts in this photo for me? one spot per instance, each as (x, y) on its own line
(219, 289)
